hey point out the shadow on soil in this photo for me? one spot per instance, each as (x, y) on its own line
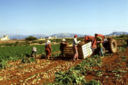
(58, 57)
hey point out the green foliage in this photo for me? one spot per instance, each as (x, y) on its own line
(15, 44)
(72, 77)
(56, 40)
(18, 52)
(41, 42)
(38, 41)
(123, 36)
(93, 61)
(75, 75)
(80, 69)
(121, 49)
(31, 38)
(99, 73)
(93, 82)
(27, 60)
(124, 58)
(7, 44)
(3, 64)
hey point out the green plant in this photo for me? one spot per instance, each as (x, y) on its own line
(99, 73)
(80, 68)
(121, 49)
(124, 58)
(16, 43)
(71, 77)
(31, 38)
(41, 42)
(75, 75)
(19, 51)
(93, 61)
(93, 82)
(3, 64)
(27, 60)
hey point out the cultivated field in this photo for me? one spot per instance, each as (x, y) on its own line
(18, 69)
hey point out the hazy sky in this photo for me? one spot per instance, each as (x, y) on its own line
(62, 16)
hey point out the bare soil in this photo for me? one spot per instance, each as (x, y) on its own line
(43, 71)
(114, 70)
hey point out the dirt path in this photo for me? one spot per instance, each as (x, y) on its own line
(35, 73)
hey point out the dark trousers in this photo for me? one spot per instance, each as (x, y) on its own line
(62, 52)
(33, 54)
(100, 51)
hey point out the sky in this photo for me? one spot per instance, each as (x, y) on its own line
(63, 16)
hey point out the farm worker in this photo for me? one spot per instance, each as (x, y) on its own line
(94, 45)
(75, 43)
(99, 41)
(63, 44)
(34, 51)
(48, 48)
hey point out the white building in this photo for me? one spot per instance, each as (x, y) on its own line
(4, 38)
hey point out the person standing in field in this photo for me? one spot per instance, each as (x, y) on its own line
(63, 44)
(75, 48)
(34, 51)
(48, 49)
(99, 41)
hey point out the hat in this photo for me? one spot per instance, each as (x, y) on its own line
(75, 36)
(63, 40)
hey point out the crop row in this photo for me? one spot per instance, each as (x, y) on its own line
(76, 75)
(19, 52)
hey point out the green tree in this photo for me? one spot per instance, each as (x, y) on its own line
(31, 38)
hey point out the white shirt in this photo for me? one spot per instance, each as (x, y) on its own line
(48, 42)
(75, 42)
(34, 49)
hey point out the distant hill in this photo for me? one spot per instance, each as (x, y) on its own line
(24, 36)
(39, 35)
(59, 35)
(63, 35)
(17, 36)
(118, 33)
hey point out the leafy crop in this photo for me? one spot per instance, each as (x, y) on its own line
(27, 60)
(75, 75)
(7, 53)
(14, 53)
(3, 64)
(69, 78)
